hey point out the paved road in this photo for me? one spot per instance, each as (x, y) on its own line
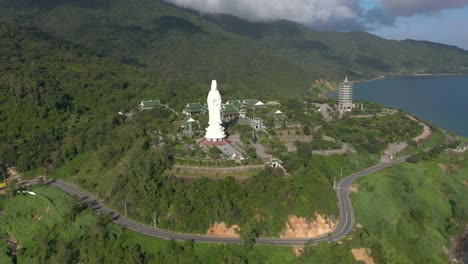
(345, 223)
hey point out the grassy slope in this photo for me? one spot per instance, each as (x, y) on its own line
(387, 201)
(404, 213)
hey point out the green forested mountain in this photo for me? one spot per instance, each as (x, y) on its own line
(188, 48)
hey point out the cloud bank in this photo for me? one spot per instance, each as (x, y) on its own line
(334, 14)
(387, 11)
(303, 11)
(414, 7)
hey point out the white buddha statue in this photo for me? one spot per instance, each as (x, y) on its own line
(215, 130)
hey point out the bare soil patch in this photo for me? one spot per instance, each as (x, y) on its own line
(220, 229)
(298, 251)
(300, 227)
(452, 168)
(259, 217)
(363, 254)
(442, 167)
(13, 175)
(354, 188)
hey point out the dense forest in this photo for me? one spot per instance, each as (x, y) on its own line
(59, 100)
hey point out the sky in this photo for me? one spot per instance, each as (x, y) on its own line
(443, 21)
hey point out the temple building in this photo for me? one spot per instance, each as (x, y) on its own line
(229, 113)
(275, 163)
(345, 96)
(194, 108)
(148, 105)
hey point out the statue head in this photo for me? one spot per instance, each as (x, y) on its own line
(214, 85)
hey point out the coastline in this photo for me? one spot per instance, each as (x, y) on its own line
(382, 77)
(395, 75)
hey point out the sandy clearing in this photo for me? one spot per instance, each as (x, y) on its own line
(363, 254)
(442, 167)
(220, 229)
(298, 251)
(300, 227)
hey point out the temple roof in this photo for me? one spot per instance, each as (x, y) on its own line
(229, 109)
(194, 107)
(276, 112)
(273, 103)
(150, 104)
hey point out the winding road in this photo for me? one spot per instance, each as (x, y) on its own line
(345, 222)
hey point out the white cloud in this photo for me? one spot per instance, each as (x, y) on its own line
(411, 7)
(303, 11)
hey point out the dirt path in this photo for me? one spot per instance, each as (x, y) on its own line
(392, 150)
(425, 135)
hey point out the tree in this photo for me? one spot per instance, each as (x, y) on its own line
(248, 237)
(214, 153)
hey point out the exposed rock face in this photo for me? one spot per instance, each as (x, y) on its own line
(300, 227)
(220, 229)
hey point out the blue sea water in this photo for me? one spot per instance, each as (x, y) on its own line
(441, 100)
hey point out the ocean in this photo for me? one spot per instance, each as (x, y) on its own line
(441, 100)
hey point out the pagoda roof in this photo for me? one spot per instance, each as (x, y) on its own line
(346, 81)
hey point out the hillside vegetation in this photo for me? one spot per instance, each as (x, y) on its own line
(406, 215)
(53, 227)
(59, 117)
(255, 58)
